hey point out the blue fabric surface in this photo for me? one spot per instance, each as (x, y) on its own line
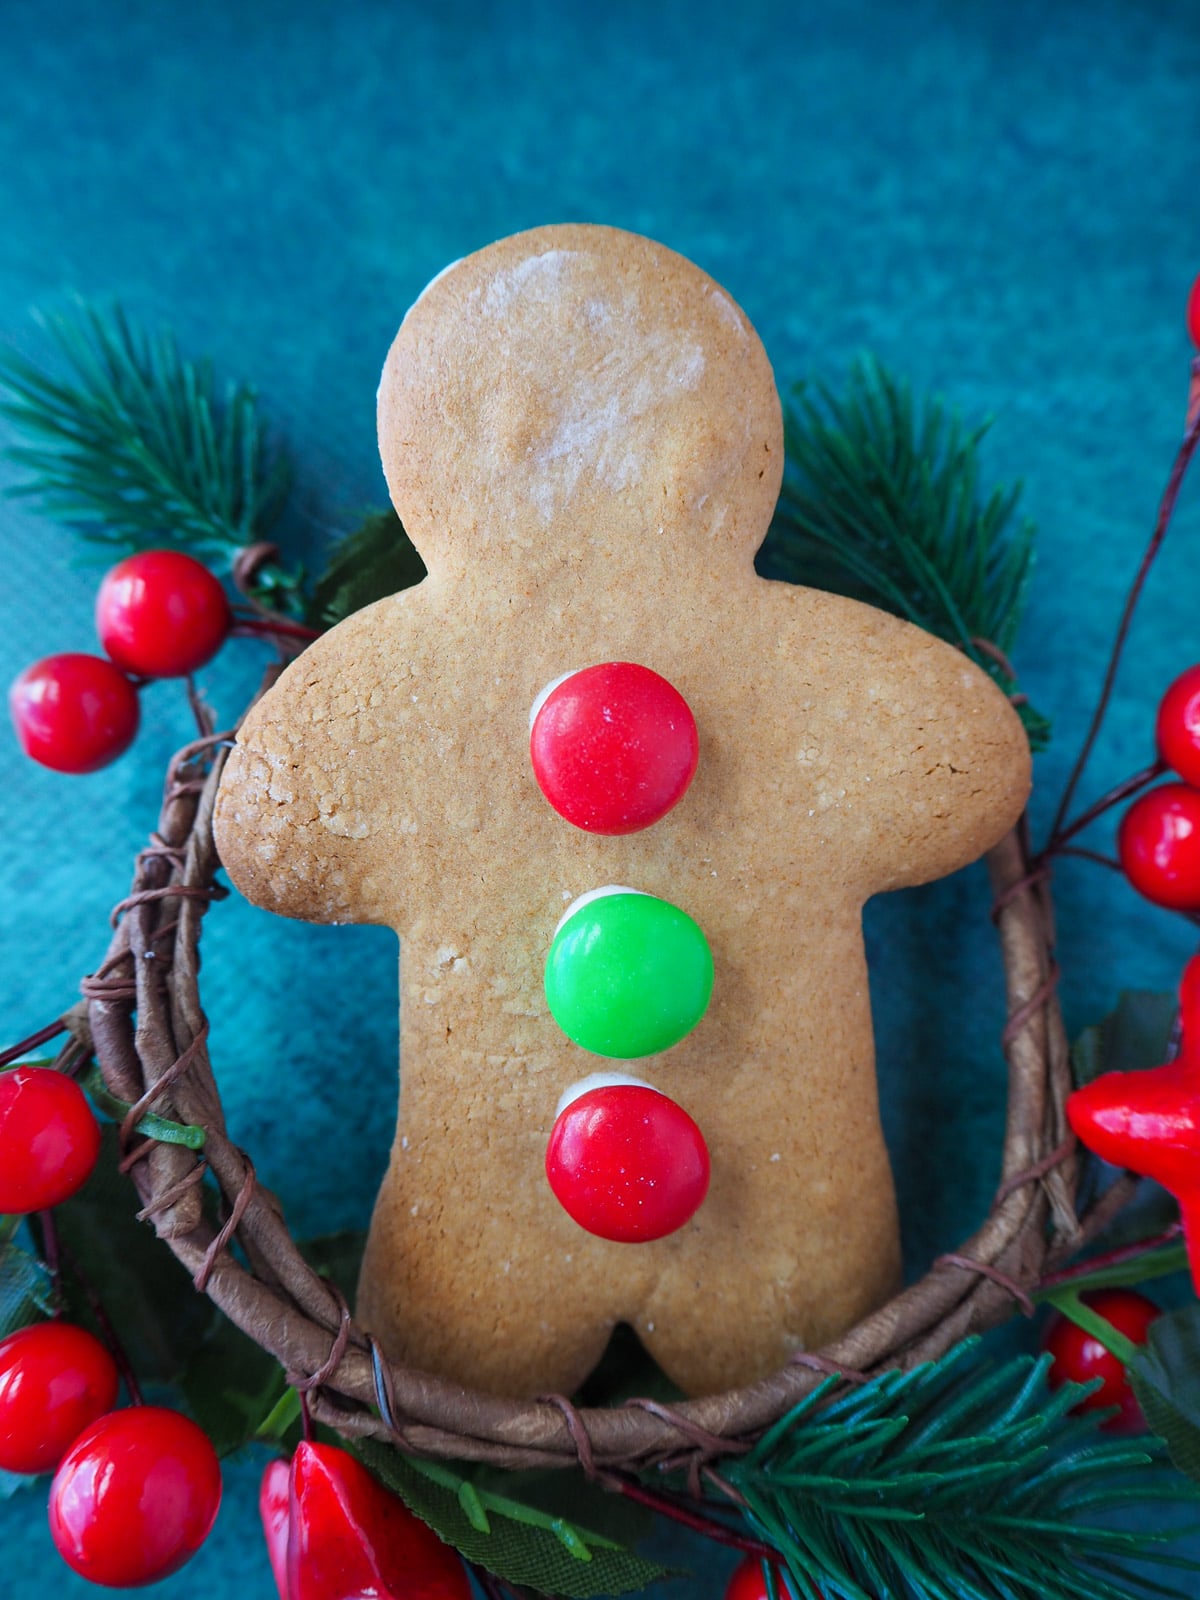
(998, 199)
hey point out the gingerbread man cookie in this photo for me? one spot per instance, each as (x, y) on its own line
(582, 435)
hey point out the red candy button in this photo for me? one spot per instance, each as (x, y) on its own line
(614, 747)
(626, 1163)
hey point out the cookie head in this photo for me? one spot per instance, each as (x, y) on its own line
(578, 377)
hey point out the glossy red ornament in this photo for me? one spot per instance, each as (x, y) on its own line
(627, 1163)
(1149, 1122)
(1178, 726)
(613, 747)
(49, 1139)
(335, 1533)
(1078, 1357)
(1159, 846)
(135, 1497)
(161, 614)
(55, 1380)
(74, 713)
(1193, 313)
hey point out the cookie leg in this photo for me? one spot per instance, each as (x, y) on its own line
(458, 1292)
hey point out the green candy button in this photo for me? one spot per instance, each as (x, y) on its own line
(627, 974)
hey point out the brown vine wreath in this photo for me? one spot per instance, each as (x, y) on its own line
(144, 1019)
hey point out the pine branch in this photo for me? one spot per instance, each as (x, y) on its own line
(881, 502)
(945, 1484)
(136, 445)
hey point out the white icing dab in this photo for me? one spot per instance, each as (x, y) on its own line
(534, 275)
(598, 1080)
(595, 894)
(597, 409)
(547, 692)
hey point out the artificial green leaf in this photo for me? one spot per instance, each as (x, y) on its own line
(232, 1386)
(569, 1495)
(1165, 1377)
(1135, 1036)
(147, 1294)
(523, 1544)
(26, 1288)
(375, 560)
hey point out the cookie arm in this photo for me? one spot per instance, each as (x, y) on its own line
(298, 820)
(897, 737)
(953, 765)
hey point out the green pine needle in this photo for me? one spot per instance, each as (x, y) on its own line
(881, 502)
(952, 1484)
(136, 445)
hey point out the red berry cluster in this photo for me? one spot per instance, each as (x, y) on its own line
(159, 614)
(136, 1491)
(1159, 838)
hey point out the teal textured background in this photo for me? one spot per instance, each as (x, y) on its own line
(999, 199)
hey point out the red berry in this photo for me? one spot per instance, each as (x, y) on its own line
(1193, 313)
(1178, 726)
(1159, 845)
(160, 614)
(74, 713)
(748, 1582)
(613, 747)
(49, 1139)
(627, 1163)
(55, 1380)
(333, 1531)
(1080, 1358)
(134, 1497)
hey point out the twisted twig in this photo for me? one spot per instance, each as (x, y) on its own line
(282, 1303)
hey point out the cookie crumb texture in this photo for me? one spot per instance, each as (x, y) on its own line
(582, 434)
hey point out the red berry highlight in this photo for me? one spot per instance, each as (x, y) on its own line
(626, 1163)
(49, 1139)
(74, 713)
(1159, 846)
(55, 1381)
(1177, 729)
(1080, 1358)
(613, 747)
(135, 1497)
(1193, 313)
(161, 614)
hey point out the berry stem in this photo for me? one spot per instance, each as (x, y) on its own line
(1187, 449)
(250, 627)
(1086, 1270)
(678, 1511)
(50, 1031)
(1087, 855)
(1114, 797)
